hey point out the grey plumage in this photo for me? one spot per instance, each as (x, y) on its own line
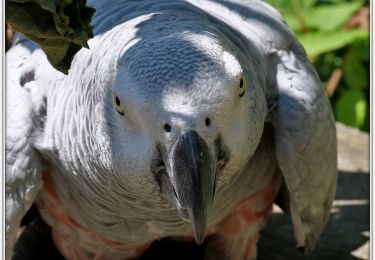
(176, 63)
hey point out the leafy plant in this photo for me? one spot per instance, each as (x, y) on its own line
(61, 27)
(336, 38)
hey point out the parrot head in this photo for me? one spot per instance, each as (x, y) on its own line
(189, 113)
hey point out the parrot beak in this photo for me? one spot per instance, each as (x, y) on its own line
(192, 171)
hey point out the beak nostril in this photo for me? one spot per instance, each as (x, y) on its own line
(167, 128)
(207, 121)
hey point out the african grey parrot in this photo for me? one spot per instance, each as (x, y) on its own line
(183, 119)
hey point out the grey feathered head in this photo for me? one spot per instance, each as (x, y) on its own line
(186, 100)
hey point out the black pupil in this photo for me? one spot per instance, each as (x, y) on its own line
(207, 121)
(241, 83)
(117, 101)
(167, 128)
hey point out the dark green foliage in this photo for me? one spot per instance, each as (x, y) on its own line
(61, 27)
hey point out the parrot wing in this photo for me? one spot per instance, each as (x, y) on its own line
(305, 142)
(25, 108)
(305, 133)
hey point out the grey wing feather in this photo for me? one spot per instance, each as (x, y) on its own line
(305, 139)
(23, 163)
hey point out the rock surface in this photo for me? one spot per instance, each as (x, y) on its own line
(353, 149)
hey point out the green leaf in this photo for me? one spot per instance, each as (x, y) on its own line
(60, 27)
(351, 108)
(361, 49)
(306, 4)
(331, 17)
(323, 18)
(283, 6)
(366, 125)
(355, 74)
(292, 21)
(286, 6)
(317, 43)
(360, 108)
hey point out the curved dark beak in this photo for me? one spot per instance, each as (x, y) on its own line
(192, 171)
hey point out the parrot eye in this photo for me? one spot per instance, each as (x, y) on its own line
(117, 102)
(242, 87)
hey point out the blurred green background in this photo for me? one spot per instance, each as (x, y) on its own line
(335, 34)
